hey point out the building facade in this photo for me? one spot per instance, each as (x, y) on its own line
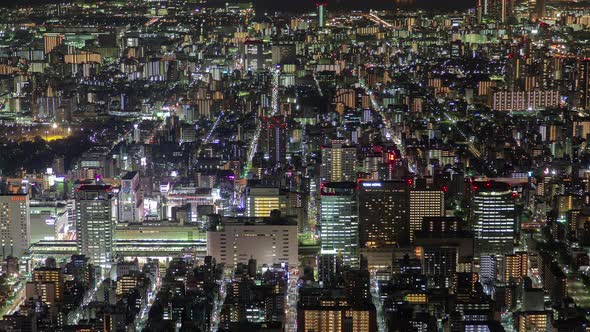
(15, 221)
(95, 223)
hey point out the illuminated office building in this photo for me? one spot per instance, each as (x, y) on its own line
(384, 208)
(95, 223)
(260, 201)
(424, 203)
(321, 13)
(339, 221)
(269, 241)
(329, 309)
(15, 237)
(494, 217)
(498, 10)
(47, 284)
(537, 9)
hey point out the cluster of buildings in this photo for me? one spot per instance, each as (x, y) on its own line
(205, 167)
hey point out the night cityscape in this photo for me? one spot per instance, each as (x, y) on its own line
(311, 166)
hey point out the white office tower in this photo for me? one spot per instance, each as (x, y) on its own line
(130, 199)
(494, 218)
(15, 236)
(269, 241)
(96, 216)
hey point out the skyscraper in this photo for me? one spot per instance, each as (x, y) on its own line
(274, 140)
(95, 222)
(498, 10)
(51, 41)
(15, 237)
(339, 221)
(583, 84)
(440, 263)
(424, 203)
(384, 208)
(321, 14)
(130, 199)
(537, 9)
(494, 217)
(338, 163)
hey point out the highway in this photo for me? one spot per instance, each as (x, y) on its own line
(74, 316)
(143, 315)
(389, 132)
(217, 306)
(14, 303)
(291, 303)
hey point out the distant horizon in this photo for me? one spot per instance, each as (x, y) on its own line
(306, 5)
(302, 5)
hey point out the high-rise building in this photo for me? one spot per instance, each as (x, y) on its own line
(488, 269)
(384, 208)
(554, 280)
(525, 100)
(274, 138)
(47, 284)
(329, 269)
(95, 222)
(283, 53)
(534, 321)
(269, 241)
(130, 199)
(339, 225)
(515, 267)
(329, 309)
(260, 201)
(583, 84)
(253, 54)
(440, 262)
(321, 14)
(128, 282)
(537, 9)
(338, 163)
(438, 225)
(357, 285)
(424, 203)
(494, 217)
(51, 41)
(498, 10)
(16, 224)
